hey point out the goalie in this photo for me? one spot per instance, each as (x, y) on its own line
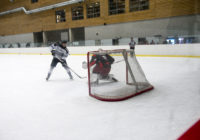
(102, 65)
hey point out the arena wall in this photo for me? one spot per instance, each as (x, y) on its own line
(20, 23)
(182, 50)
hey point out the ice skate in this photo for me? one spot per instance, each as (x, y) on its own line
(114, 79)
(48, 76)
(70, 76)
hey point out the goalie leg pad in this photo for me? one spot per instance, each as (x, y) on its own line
(84, 65)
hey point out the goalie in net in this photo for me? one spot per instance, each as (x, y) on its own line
(114, 75)
(102, 66)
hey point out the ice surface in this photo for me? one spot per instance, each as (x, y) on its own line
(60, 109)
(113, 89)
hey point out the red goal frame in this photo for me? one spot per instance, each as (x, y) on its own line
(111, 99)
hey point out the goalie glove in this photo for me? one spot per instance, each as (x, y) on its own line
(84, 65)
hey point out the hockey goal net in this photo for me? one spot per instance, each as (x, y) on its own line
(123, 79)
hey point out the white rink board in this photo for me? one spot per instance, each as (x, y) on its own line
(182, 49)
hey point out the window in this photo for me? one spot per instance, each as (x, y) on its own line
(116, 7)
(115, 41)
(77, 13)
(93, 10)
(60, 16)
(34, 1)
(138, 5)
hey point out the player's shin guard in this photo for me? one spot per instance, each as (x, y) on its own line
(68, 71)
(70, 75)
(49, 73)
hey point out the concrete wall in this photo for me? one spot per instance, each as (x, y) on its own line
(174, 50)
(22, 38)
(174, 26)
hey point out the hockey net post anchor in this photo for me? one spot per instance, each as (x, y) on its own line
(131, 80)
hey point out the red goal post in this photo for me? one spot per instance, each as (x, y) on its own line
(130, 77)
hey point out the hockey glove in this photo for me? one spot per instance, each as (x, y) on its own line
(53, 52)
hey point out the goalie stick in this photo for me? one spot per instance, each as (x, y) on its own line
(84, 64)
(118, 61)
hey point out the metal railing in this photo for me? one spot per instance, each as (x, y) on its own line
(110, 42)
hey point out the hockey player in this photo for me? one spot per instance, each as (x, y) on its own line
(59, 52)
(102, 66)
(132, 45)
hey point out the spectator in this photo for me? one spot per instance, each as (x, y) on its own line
(28, 44)
(152, 42)
(18, 45)
(10, 46)
(132, 46)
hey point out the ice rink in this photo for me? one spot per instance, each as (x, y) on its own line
(61, 109)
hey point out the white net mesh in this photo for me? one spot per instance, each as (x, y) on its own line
(115, 75)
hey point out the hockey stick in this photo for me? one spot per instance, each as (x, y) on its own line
(76, 73)
(71, 69)
(58, 58)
